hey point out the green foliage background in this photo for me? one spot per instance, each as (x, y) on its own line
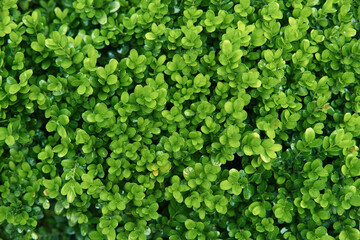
(179, 119)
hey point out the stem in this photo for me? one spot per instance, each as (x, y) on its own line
(75, 169)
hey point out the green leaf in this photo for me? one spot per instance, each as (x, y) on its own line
(114, 6)
(236, 189)
(257, 210)
(101, 17)
(190, 224)
(51, 126)
(150, 36)
(50, 43)
(61, 131)
(63, 119)
(3, 133)
(37, 47)
(349, 234)
(191, 234)
(24, 76)
(3, 213)
(324, 215)
(10, 140)
(69, 190)
(355, 200)
(58, 208)
(276, 147)
(81, 89)
(100, 71)
(248, 191)
(200, 80)
(309, 135)
(257, 37)
(111, 67)
(94, 235)
(14, 88)
(112, 79)
(225, 185)
(82, 137)
(228, 107)
(78, 58)
(227, 47)
(66, 63)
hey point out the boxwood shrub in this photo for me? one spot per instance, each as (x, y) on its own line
(179, 119)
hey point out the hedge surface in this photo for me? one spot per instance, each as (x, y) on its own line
(179, 119)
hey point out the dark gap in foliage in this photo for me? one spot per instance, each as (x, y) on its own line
(271, 181)
(164, 208)
(329, 226)
(3, 234)
(329, 160)
(168, 105)
(109, 52)
(236, 163)
(49, 227)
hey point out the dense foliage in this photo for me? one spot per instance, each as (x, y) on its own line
(179, 119)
